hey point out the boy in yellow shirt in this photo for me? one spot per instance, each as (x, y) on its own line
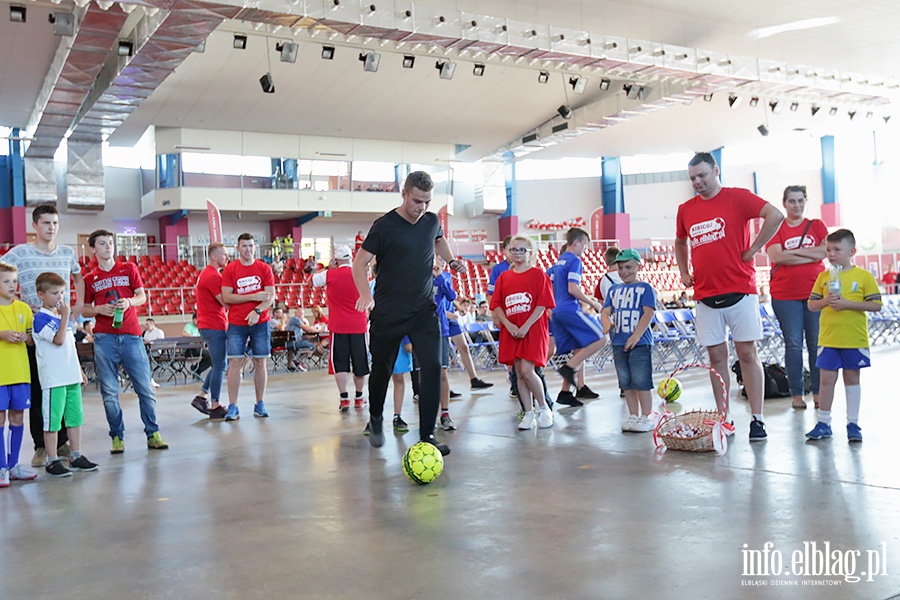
(15, 376)
(843, 294)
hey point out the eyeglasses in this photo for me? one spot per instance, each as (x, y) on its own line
(519, 250)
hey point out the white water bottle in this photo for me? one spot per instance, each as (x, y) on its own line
(834, 280)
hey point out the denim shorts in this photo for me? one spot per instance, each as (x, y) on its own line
(634, 368)
(237, 336)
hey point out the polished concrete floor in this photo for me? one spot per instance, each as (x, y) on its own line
(300, 506)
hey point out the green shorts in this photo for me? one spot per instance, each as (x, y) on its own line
(59, 402)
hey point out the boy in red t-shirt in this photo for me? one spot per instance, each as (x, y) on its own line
(248, 288)
(520, 301)
(116, 287)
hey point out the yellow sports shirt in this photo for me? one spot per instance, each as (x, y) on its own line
(14, 357)
(846, 328)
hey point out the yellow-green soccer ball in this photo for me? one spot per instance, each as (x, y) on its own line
(422, 463)
(669, 389)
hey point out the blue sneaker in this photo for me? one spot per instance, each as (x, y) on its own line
(233, 413)
(758, 431)
(854, 433)
(820, 431)
(259, 410)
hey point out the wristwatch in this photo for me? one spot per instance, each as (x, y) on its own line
(257, 311)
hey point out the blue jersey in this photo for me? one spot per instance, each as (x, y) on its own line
(498, 270)
(444, 295)
(627, 301)
(567, 269)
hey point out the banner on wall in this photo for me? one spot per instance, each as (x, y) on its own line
(597, 224)
(443, 219)
(215, 222)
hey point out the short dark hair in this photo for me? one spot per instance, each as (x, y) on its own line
(43, 209)
(99, 233)
(419, 180)
(150, 320)
(506, 242)
(610, 255)
(48, 280)
(793, 189)
(482, 303)
(703, 157)
(842, 235)
(575, 234)
(245, 236)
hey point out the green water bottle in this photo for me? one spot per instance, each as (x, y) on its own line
(117, 318)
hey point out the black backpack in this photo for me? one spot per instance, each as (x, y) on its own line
(775, 377)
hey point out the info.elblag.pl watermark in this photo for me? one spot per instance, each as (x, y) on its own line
(811, 564)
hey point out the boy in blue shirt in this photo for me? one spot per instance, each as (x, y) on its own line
(628, 312)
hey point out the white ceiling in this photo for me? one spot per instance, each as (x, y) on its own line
(219, 89)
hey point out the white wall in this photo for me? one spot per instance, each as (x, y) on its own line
(557, 200)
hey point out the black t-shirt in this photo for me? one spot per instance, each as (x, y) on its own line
(405, 254)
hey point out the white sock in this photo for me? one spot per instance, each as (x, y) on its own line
(758, 417)
(854, 394)
(824, 416)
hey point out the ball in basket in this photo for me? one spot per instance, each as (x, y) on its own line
(669, 389)
(423, 463)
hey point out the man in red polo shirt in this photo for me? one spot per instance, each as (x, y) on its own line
(213, 324)
(348, 327)
(248, 288)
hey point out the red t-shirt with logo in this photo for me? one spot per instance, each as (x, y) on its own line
(794, 282)
(210, 313)
(519, 294)
(341, 296)
(718, 232)
(106, 287)
(246, 280)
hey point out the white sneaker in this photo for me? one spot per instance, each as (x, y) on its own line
(642, 425)
(545, 418)
(527, 421)
(4, 478)
(22, 473)
(629, 424)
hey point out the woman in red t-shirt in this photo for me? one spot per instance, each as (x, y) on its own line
(319, 316)
(521, 298)
(796, 254)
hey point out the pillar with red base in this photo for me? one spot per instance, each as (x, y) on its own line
(170, 228)
(616, 222)
(831, 210)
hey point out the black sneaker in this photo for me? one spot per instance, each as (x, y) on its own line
(82, 464)
(758, 431)
(400, 426)
(568, 373)
(201, 404)
(568, 399)
(454, 395)
(478, 384)
(586, 393)
(444, 449)
(376, 432)
(218, 413)
(621, 393)
(57, 469)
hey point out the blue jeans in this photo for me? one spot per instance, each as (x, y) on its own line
(215, 341)
(634, 368)
(237, 336)
(795, 320)
(110, 351)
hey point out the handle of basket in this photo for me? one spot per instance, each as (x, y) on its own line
(714, 372)
(665, 415)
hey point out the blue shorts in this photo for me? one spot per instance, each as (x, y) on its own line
(403, 363)
(237, 336)
(572, 329)
(15, 396)
(454, 328)
(634, 369)
(851, 359)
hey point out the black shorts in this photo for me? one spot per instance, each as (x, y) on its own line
(347, 348)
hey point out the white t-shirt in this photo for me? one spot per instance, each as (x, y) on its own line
(57, 365)
(156, 334)
(608, 280)
(31, 262)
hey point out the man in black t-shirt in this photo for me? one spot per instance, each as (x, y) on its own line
(404, 242)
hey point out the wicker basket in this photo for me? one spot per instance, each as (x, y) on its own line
(701, 425)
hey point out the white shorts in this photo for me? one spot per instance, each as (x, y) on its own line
(742, 319)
